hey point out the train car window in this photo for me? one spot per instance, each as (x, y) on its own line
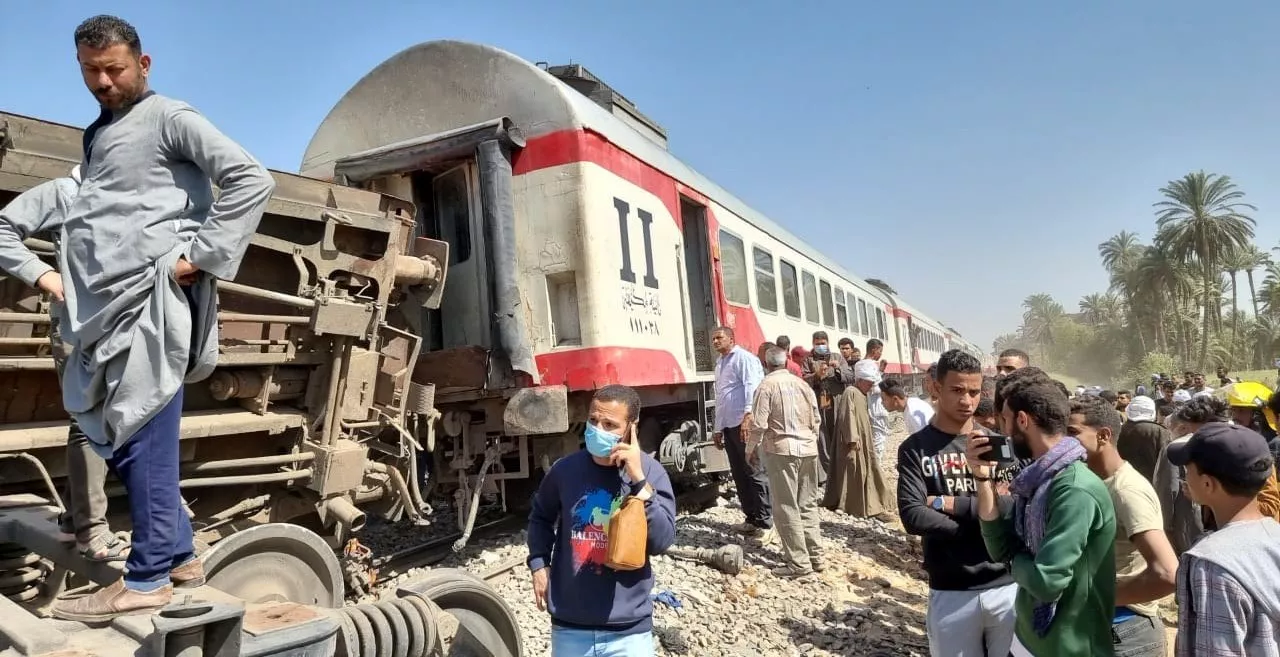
(453, 213)
(828, 311)
(733, 263)
(842, 311)
(881, 331)
(790, 289)
(810, 297)
(862, 317)
(766, 284)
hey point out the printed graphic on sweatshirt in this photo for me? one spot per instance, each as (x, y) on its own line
(589, 535)
(951, 472)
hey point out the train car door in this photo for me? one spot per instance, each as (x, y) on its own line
(697, 264)
(449, 207)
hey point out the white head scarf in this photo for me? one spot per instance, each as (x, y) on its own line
(1142, 409)
(867, 370)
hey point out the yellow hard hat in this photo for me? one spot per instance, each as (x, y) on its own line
(1251, 394)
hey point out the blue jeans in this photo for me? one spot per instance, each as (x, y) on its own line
(147, 464)
(566, 642)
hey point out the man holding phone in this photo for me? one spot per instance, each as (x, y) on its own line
(1060, 541)
(971, 596)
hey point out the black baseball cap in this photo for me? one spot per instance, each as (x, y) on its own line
(1222, 448)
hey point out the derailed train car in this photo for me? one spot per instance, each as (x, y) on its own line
(582, 253)
(475, 244)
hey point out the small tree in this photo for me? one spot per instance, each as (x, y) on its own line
(1153, 363)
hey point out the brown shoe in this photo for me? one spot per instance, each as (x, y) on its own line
(110, 602)
(189, 575)
(818, 564)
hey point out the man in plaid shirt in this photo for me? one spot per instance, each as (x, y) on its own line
(1228, 587)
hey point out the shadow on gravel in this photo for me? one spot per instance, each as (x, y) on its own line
(883, 624)
(885, 544)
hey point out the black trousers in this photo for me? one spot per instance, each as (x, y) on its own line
(826, 441)
(752, 483)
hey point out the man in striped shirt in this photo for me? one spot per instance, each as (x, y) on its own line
(784, 419)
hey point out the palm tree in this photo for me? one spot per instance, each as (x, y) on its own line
(1099, 308)
(1203, 219)
(1254, 259)
(1120, 256)
(1040, 313)
(1164, 282)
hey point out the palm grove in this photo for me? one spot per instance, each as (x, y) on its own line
(1172, 304)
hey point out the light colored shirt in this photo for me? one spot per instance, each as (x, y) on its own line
(917, 414)
(1137, 511)
(738, 374)
(785, 416)
(879, 417)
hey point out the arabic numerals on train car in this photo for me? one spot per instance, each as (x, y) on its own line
(642, 303)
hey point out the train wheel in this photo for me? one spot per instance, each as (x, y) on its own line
(485, 625)
(276, 562)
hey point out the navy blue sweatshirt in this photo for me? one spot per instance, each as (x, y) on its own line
(567, 527)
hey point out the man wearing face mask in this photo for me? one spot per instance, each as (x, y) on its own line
(596, 610)
(828, 373)
(1060, 541)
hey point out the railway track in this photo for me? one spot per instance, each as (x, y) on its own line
(386, 569)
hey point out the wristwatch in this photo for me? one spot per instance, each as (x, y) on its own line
(937, 503)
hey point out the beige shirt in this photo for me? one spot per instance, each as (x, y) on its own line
(784, 416)
(1137, 511)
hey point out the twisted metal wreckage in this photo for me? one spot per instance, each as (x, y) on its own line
(315, 413)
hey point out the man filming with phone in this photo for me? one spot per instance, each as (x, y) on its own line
(1060, 541)
(971, 596)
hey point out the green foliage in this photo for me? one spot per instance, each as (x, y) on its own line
(1152, 363)
(1172, 305)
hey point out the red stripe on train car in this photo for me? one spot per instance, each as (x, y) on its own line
(594, 367)
(569, 146)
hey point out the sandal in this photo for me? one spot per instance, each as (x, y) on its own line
(105, 547)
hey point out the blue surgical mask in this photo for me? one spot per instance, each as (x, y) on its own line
(822, 350)
(599, 442)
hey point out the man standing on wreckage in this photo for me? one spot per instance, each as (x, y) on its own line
(142, 247)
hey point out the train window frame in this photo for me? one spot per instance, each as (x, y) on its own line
(862, 318)
(809, 282)
(787, 301)
(881, 330)
(756, 271)
(744, 280)
(842, 310)
(826, 302)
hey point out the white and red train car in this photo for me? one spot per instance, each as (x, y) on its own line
(583, 253)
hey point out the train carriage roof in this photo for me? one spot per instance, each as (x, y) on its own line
(442, 85)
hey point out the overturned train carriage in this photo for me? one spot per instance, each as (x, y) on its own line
(314, 415)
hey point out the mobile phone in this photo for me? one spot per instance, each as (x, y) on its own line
(1001, 449)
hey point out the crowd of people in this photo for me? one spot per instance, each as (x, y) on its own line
(1053, 523)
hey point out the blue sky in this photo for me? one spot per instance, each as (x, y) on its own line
(970, 153)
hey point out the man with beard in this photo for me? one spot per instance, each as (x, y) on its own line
(970, 596)
(1122, 400)
(1011, 360)
(143, 246)
(1060, 541)
(828, 373)
(856, 485)
(1165, 406)
(1145, 562)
